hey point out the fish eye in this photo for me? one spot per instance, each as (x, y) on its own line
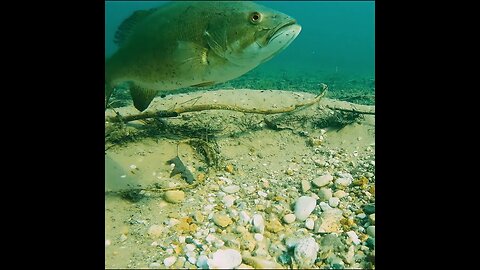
(255, 17)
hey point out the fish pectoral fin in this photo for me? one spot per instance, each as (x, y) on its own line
(142, 97)
(190, 53)
(203, 84)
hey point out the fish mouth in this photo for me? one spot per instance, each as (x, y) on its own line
(277, 31)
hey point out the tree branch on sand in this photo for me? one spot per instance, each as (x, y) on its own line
(350, 110)
(203, 107)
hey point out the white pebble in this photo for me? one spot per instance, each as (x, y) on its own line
(190, 247)
(123, 237)
(322, 180)
(225, 179)
(258, 237)
(155, 265)
(289, 218)
(309, 223)
(231, 189)
(345, 179)
(258, 223)
(361, 216)
(334, 201)
(225, 259)
(262, 194)
(324, 206)
(108, 243)
(169, 251)
(354, 237)
(123, 176)
(192, 260)
(133, 166)
(304, 206)
(305, 252)
(228, 200)
(244, 218)
(169, 261)
(202, 262)
(181, 239)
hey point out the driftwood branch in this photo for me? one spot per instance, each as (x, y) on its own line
(350, 110)
(203, 107)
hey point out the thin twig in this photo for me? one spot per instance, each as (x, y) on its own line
(352, 111)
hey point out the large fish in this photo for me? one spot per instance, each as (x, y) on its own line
(202, 43)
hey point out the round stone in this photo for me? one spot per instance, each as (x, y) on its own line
(289, 218)
(174, 196)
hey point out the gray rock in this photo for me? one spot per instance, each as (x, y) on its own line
(322, 180)
(371, 231)
(334, 201)
(304, 206)
(258, 223)
(305, 252)
(324, 194)
(231, 189)
(369, 209)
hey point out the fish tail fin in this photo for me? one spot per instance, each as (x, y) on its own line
(142, 97)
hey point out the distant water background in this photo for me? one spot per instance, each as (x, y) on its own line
(337, 43)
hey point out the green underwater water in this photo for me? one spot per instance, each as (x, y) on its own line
(336, 47)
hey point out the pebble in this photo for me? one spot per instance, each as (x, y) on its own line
(340, 194)
(123, 237)
(322, 180)
(262, 194)
(228, 200)
(174, 196)
(333, 202)
(274, 226)
(231, 189)
(192, 260)
(289, 218)
(260, 262)
(330, 221)
(258, 223)
(305, 186)
(361, 216)
(371, 231)
(371, 218)
(154, 265)
(309, 223)
(169, 261)
(324, 194)
(304, 206)
(258, 237)
(190, 247)
(369, 209)
(222, 220)
(345, 179)
(202, 262)
(324, 206)
(354, 237)
(155, 231)
(225, 259)
(244, 218)
(305, 252)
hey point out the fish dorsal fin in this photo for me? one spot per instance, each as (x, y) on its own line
(125, 29)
